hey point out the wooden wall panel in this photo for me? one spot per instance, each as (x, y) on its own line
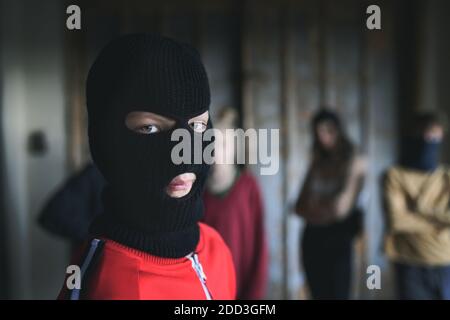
(261, 72)
(219, 45)
(303, 68)
(342, 67)
(382, 141)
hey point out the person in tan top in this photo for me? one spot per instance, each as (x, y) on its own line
(417, 198)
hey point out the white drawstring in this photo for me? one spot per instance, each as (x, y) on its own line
(75, 293)
(196, 265)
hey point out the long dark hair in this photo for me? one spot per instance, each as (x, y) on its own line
(344, 150)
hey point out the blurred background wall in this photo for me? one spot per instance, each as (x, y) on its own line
(277, 62)
(32, 101)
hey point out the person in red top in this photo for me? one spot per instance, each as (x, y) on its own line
(124, 273)
(233, 206)
(148, 243)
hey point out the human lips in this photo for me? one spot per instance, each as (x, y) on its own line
(181, 182)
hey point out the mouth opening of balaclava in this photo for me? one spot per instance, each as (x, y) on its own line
(149, 73)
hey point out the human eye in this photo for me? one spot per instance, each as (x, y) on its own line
(148, 129)
(198, 126)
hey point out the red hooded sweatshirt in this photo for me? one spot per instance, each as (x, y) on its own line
(126, 273)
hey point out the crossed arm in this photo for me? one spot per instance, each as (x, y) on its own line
(405, 216)
(315, 208)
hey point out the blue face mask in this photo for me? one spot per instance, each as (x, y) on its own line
(420, 154)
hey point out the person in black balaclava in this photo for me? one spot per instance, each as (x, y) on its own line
(417, 194)
(422, 145)
(140, 89)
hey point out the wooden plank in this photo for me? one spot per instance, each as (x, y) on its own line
(76, 66)
(342, 63)
(343, 92)
(261, 93)
(286, 91)
(382, 147)
(220, 49)
(305, 95)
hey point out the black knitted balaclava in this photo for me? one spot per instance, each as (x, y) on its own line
(150, 73)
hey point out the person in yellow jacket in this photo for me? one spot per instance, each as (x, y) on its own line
(417, 195)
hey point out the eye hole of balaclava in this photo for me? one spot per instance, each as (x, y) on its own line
(149, 161)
